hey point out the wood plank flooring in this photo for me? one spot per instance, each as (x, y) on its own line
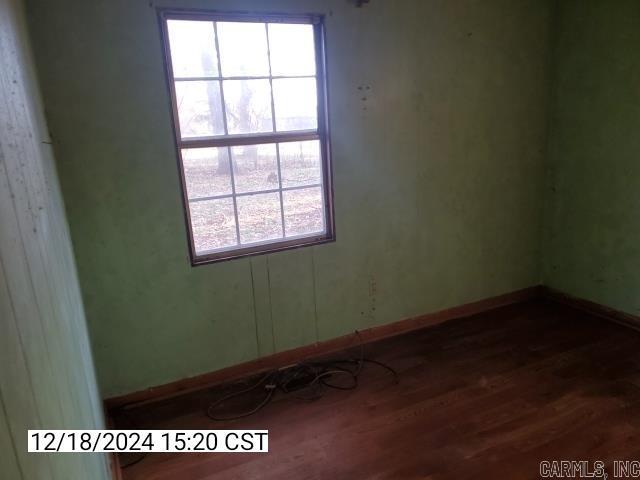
(489, 396)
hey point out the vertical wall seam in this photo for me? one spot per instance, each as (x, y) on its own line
(315, 297)
(24, 360)
(255, 308)
(20, 154)
(548, 199)
(29, 275)
(273, 335)
(19, 337)
(3, 411)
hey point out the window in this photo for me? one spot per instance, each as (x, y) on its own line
(249, 112)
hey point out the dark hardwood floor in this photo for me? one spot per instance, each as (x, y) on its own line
(489, 396)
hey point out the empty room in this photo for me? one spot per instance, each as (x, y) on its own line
(319, 239)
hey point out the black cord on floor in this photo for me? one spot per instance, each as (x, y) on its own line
(305, 381)
(302, 377)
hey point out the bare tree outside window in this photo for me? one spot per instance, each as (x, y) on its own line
(249, 104)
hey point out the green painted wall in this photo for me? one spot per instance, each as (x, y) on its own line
(592, 249)
(438, 176)
(46, 371)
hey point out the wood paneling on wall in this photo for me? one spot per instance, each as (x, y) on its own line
(46, 369)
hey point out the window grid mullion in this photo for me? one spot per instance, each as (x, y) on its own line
(253, 192)
(280, 190)
(273, 122)
(233, 193)
(241, 77)
(226, 132)
(249, 139)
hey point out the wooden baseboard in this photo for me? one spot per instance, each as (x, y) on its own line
(597, 309)
(282, 359)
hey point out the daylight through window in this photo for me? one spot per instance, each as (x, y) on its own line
(249, 109)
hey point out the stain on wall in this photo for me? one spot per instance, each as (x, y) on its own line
(438, 175)
(592, 246)
(46, 370)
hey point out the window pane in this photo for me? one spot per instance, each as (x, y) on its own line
(193, 48)
(255, 168)
(260, 217)
(207, 172)
(300, 163)
(199, 108)
(243, 49)
(303, 211)
(214, 225)
(248, 104)
(292, 49)
(295, 104)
